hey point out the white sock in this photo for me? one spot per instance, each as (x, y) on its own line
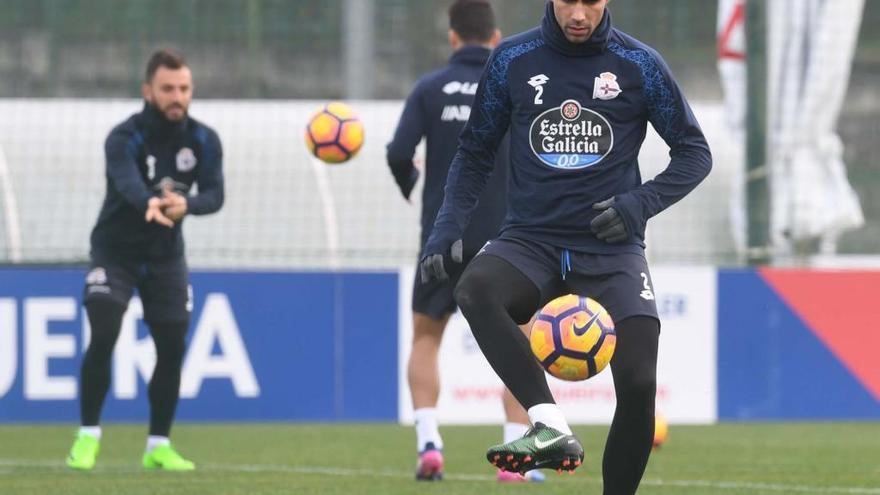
(156, 441)
(513, 431)
(426, 428)
(550, 415)
(92, 431)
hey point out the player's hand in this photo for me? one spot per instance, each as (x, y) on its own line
(174, 204)
(155, 214)
(407, 184)
(431, 267)
(608, 225)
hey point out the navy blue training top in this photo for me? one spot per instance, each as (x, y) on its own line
(577, 115)
(143, 153)
(438, 109)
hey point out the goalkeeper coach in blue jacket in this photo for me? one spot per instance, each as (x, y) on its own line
(153, 160)
(576, 95)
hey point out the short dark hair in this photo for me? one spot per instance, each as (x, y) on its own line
(472, 20)
(163, 58)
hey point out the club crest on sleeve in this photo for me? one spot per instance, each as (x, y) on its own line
(605, 87)
(186, 160)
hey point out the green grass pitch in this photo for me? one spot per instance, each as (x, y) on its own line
(726, 459)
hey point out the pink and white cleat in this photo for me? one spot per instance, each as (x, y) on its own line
(430, 465)
(509, 477)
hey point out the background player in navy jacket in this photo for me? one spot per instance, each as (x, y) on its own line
(576, 95)
(437, 109)
(153, 160)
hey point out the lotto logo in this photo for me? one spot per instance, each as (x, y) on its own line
(98, 276)
(465, 88)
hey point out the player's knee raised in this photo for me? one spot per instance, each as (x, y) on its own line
(470, 293)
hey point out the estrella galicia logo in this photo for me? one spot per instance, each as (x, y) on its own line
(571, 137)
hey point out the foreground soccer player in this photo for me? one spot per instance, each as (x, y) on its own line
(437, 109)
(576, 95)
(153, 159)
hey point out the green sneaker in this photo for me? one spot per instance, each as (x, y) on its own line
(165, 457)
(84, 452)
(541, 447)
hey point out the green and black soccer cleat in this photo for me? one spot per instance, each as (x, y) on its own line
(84, 452)
(541, 447)
(164, 457)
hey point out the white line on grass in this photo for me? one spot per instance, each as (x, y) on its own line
(27, 464)
(770, 487)
(335, 471)
(388, 473)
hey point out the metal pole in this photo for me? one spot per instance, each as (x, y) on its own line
(359, 48)
(55, 21)
(254, 49)
(757, 172)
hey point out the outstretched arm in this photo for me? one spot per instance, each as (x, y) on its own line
(690, 158)
(120, 150)
(210, 179)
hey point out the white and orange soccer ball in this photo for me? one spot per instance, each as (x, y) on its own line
(334, 134)
(573, 337)
(661, 431)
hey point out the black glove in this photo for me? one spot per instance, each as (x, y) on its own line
(608, 225)
(407, 183)
(431, 266)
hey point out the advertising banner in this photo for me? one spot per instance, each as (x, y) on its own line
(262, 346)
(471, 392)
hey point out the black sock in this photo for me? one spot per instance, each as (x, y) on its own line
(105, 318)
(164, 389)
(493, 296)
(629, 443)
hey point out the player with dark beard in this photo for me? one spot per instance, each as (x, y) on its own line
(153, 160)
(576, 95)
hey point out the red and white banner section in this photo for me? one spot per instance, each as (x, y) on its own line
(798, 345)
(470, 390)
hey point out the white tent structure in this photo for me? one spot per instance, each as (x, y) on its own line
(811, 45)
